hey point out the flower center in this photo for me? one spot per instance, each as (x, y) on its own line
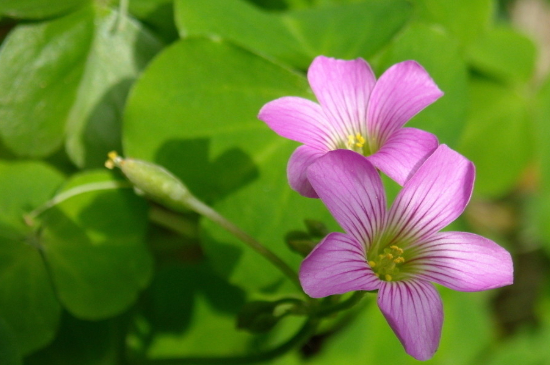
(356, 143)
(386, 265)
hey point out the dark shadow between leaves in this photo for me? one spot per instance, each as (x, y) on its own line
(170, 301)
(209, 180)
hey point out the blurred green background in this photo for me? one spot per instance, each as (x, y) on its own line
(92, 274)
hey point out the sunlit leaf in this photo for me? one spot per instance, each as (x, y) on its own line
(45, 63)
(116, 56)
(342, 31)
(37, 9)
(503, 53)
(94, 244)
(464, 20)
(440, 56)
(69, 78)
(194, 111)
(498, 137)
(27, 301)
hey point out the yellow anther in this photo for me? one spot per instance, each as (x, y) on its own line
(109, 164)
(397, 249)
(399, 260)
(113, 160)
(388, 277)
(360, 140)
(372, 263)
(389, 256)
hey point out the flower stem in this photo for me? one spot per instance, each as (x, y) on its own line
(214, 216)
(301, 337)
(77, 190)
(340, 306)
(173, 221)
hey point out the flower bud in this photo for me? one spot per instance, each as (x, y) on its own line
(258, 316)
(300, 242)
(316, 228)
(153, 181)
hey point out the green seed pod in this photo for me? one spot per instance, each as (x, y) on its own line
(153, 181)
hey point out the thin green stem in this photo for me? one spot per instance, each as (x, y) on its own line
(340, 306)
(173, 221)
(300, 338)
(211, 214)
(81, 189)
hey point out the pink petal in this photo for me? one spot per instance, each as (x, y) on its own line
(463, 261)
(343, 89)
(352, 190)
(403, 153)
(434, 196)
(414, 311)
(297, 167)
(337, 265)
(400, 93)
(298, 119)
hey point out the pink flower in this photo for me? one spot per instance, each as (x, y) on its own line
(356, 112)
(400, 251)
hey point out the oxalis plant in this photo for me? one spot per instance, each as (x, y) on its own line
(290, 182)
(395, 252)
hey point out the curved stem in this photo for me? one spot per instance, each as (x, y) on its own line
(173, 221)
(77, 190)
(216, 217)
(346, 304)
(298, 339)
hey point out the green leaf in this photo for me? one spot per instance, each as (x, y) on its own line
(37, 9)
(498, 137)
(83, 343)
(45, 64)
(367, 338)
(465, 20)
(342, 31)
(189, 307)
(27, 300)
(75, 72)
(203, 107)
(503, 53)
(94, 244)
(440, 56)
(191, 311)
(9, 354)
(541, 129)
(158, 15)
(114, 60)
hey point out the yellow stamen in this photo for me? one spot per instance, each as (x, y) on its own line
(398, 249)
(113, 160)
(388, 277)
(372, 263)
(360, 140)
